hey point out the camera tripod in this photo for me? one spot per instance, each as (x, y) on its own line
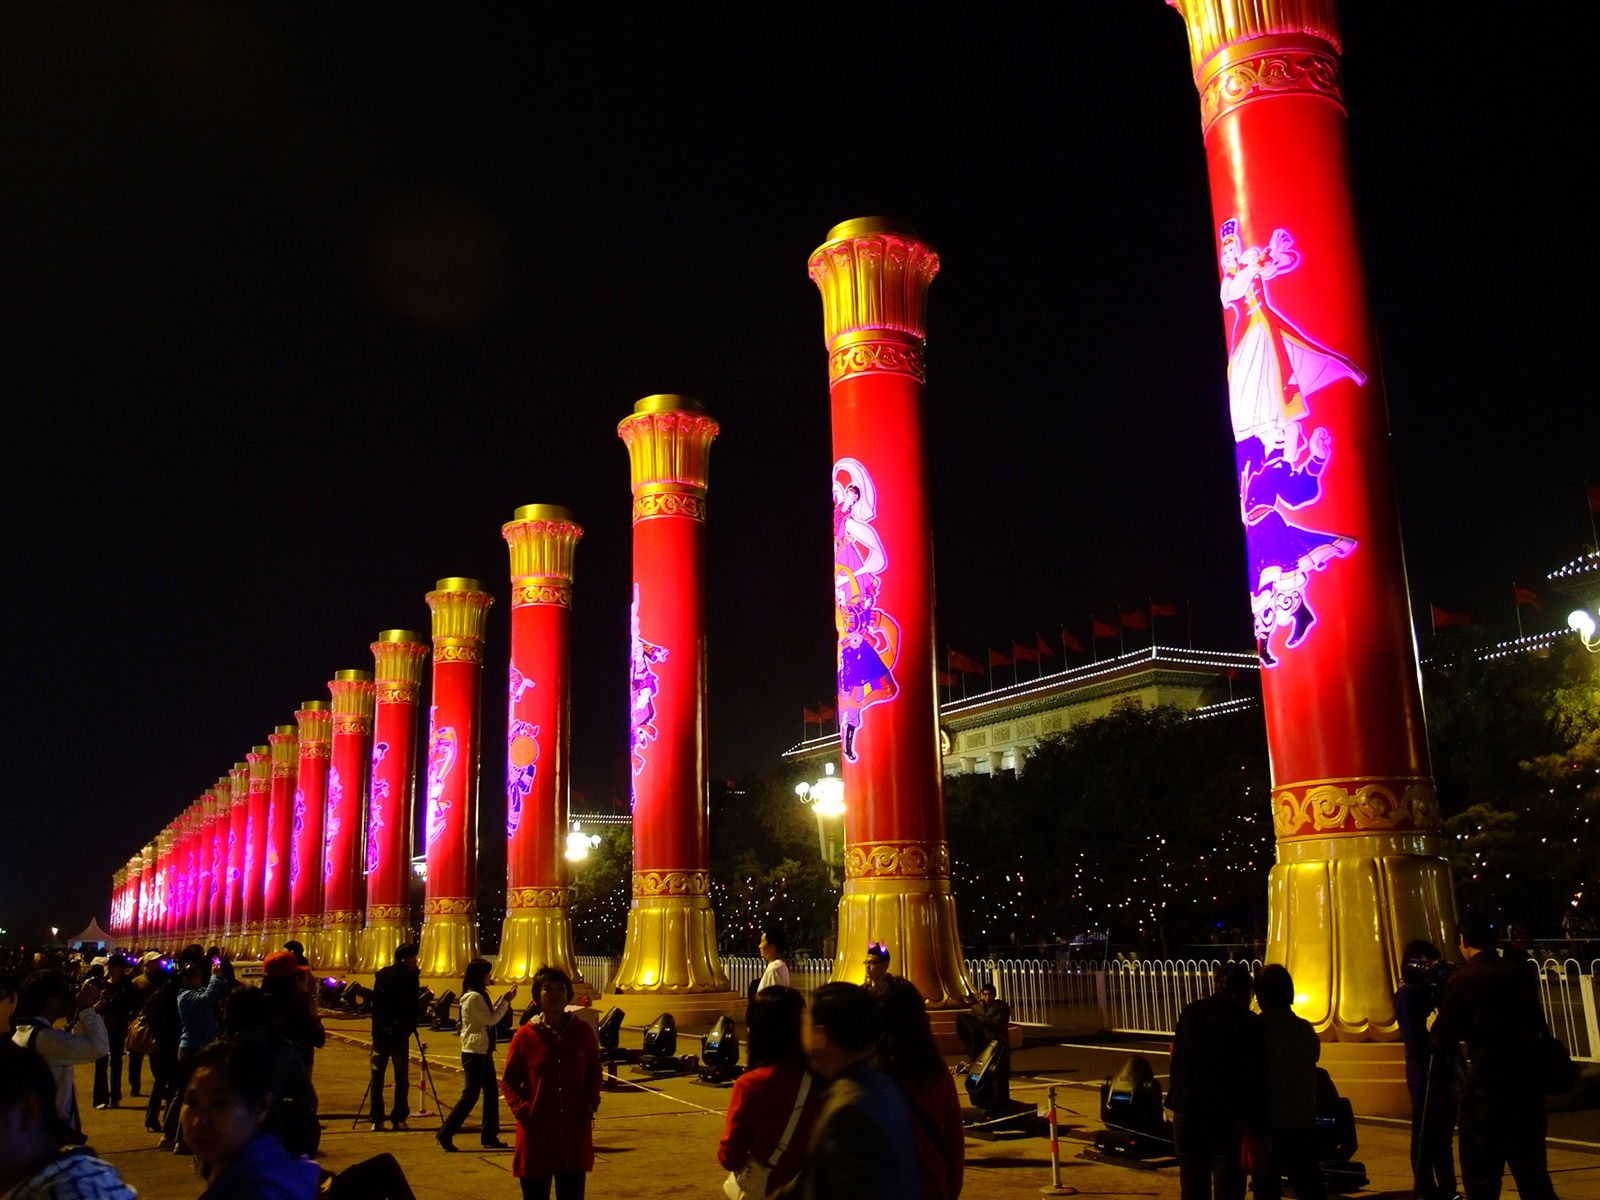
(425, 1079)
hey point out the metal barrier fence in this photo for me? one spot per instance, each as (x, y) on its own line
(1146, 996)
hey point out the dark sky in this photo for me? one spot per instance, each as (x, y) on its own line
(301, 301)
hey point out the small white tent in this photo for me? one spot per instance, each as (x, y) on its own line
(92, 934)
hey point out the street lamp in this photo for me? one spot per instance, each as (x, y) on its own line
(1580, 620)
(579, 843)
(826, 797)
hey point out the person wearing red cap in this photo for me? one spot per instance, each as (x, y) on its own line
(291, 1004)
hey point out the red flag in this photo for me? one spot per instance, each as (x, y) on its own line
(1133, 620)
(1068, 642)
(824, 713)
(945, 678)
(1042, 646)
(1443, 617)
(1099, 629)
(812, 718)
(967, 666)
(1163, 610)
(1594, 497)
(1524, 595)
(1024, 653)
(996, 659)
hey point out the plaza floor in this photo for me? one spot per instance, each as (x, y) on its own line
(661, 1139)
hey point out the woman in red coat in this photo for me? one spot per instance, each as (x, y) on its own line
(765, 1096)
(908, 1054)
(552, 1086)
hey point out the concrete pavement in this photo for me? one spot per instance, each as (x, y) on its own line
(661, 1139)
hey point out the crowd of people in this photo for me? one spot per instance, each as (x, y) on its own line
(1244, 1084)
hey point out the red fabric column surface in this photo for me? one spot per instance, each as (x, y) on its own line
(238, 838)
(314, 720)
(344, 885)
(398, 656)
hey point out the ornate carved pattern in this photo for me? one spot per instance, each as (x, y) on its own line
(341, 918)
(669, 504)
(284, 770)
(457, 652)
(314, 750)
(1313, 810)
(893, 358)
(672, 883)
(387, 912)
(905, 860)
(449, 906)
(1269, 75)
(359, 725)
(524, 594)
(259, 787)
(536, 897)
(397, 693)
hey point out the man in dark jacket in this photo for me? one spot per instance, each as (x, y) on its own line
(1218, 1085)
(117, 999)
(861, 1145)
(1491, 1007)
(394, 1019)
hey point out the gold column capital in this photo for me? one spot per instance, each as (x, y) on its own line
(669, 455)
(239, 780)
(285, 742)
(1244, 50)
(316, 728)
(260, 760)
(873, 273)
(354, 695)
(460, 609)
(543, 539)
(224, 793)
(398, 657)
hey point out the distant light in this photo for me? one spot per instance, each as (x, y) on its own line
(579, 843)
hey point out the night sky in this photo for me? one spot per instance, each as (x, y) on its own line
(300, 302)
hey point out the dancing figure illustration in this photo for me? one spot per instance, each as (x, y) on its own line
(1281, 456)
(643, 685)
(868, 637)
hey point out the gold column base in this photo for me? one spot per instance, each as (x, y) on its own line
(388, 926)
(537, 933)
(307, 930)
(449, 936)
(338, 945)
(671, 946)
(274, 934)
(916, 919)
(251, 939)
(1340, 911)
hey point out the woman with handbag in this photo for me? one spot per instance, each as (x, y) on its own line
(774, 1105)
(908, 1055)
(552, 1085)
(478, 1021)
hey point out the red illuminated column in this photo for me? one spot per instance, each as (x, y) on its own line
(280, 827)
(1360, 866)
(119, 903)
(315, 718)
(135, 913)
(166, 876)
(398, 657)
(183, 906)
(538, 929)
(344, 886)
(216, 902)
(255, 854)
(671, 944)
(147, 897)
(450, 814)
(234, 852)
(874, 276)
(201, 905)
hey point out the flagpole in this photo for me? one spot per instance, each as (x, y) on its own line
(1517, 606)
(1188, 609)
(1588, 495)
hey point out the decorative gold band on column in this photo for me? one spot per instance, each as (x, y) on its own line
(396, 693)
(353, 698)
(897, 860)
(1244, 50)
(387, 912)
(1318, 808)
(532, 897)
(870, 353)
(526, 592)
(672, 883)
(452, 906)
(667, 503)
(285, 741)
(669, 443)
(874, 273)
(460, 613)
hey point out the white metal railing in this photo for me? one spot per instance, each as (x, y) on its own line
(1567, 995)
(805, 975)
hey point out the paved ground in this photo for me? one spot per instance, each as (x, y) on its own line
(662, 1141)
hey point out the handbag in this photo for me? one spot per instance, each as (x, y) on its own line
(140, 1039)
(749, 1182)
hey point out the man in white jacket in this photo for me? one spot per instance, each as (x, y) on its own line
(43, 1000)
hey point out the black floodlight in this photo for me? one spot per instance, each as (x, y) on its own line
(610, 1030)
(661, 1039)
(719, 1053)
